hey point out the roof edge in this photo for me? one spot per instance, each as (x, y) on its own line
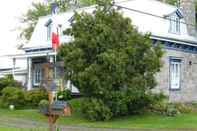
(188, 42)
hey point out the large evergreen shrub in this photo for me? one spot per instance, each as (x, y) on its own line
(111, 63)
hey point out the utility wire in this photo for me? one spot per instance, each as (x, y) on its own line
(146, 13)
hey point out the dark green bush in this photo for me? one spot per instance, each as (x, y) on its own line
(64, 95)
(158, 103)
(43, 106)
(194, 106)
(120, 105)
(8, 81)
(33, 97)
(96, 110)
(12, 96)
(184, 108)
(169, 109)
(172, 110)
(76, 105)
(148, 101)
(159, 108)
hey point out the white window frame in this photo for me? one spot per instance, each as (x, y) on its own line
(49, 31)
(37, 76)
(175, 24)
(60, 30)
(175, 73)
(48, 25)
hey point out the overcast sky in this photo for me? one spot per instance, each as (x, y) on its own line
(10, 11)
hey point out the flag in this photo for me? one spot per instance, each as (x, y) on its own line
(55, 40)
(55, 34)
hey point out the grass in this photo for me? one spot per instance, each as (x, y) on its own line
(146, 121)
(20, 129)
(30, 114)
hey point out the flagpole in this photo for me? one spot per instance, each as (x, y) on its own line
(56, 46)
(55, 61)
(54, 11)
(55, 70)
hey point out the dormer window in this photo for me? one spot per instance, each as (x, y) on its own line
(174, 24)
(49, 32)
(60, 32)
(48, 25)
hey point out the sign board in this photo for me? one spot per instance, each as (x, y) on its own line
(50, 85)
(53, 86)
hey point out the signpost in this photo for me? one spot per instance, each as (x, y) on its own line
(55, 108)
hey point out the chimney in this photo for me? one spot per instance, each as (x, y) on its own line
(188, 9)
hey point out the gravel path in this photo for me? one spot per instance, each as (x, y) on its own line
(20, 123)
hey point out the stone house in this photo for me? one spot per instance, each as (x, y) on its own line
(174, 27)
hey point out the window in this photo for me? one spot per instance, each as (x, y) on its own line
(48, 25)
(174, 24)
(37, 76)
(175, 74)
(49, 32)
(60, 32)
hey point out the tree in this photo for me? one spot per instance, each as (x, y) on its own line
(111, 63)
(30, 18)
(8, 80)
(174, 2)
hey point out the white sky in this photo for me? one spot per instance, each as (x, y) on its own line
(10, 11)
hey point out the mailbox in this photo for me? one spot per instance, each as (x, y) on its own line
(57, 108)
(61, 108)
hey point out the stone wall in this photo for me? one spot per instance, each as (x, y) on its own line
(189, 13)
(188, 91)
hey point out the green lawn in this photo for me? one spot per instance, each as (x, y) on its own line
(19, 129)
(148, 121)
(9, 129)
(23, 114)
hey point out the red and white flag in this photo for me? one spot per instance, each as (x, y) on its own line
(55, 28)
(55, 39)
(55, 33)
